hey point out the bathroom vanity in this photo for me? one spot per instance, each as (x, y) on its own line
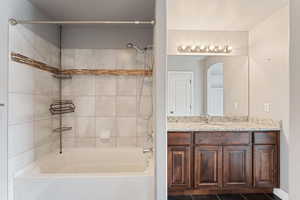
(215, 159)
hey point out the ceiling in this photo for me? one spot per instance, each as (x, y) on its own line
(97, 9)
(231, 15)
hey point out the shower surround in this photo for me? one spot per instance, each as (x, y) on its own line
(31, 91)
(111, 111)
(112, 120)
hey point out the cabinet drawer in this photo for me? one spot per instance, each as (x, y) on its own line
(225, 138)
(265, 137)
(179, 138)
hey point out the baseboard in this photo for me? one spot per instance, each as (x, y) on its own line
(281, 194)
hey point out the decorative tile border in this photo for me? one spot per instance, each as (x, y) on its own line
(55, 70)
(33, 63)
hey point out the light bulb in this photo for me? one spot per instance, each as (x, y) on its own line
(188, 49)
(181, 48)
(211, 48)
(220, 48)
(193, 48)
(197, 49)
(202, 47)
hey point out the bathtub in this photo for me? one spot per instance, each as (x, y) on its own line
(88, 174)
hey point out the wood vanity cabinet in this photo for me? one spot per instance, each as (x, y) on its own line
(179, 160)
(266, 159)
(222, 162)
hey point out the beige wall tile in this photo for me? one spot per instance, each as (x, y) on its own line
(126, 106)
(105, 106)
(126, 141)
(41, 107)
(126, 127)
(20, 138)
(105, 124)
(21, 108)
(42, 132)
(85, 106)
(85, 127)
(105, 143)
(126, 86)
(21, 78)
(106, 85)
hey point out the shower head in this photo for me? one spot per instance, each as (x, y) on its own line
(134, 46)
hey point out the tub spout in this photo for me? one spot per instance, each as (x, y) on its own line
(147, 150)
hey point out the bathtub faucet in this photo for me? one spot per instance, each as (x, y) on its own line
(147, 150)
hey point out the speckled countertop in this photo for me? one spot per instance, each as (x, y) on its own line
(221, 124)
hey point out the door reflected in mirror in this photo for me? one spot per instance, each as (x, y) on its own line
(207, 85)
(215, 90)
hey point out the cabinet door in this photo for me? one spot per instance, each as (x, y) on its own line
(237, 166)
(207, 167)
(179, 167)
(265, 166)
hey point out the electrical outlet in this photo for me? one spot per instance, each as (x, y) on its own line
(267, 107)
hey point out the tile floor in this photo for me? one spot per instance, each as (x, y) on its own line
(227, 197)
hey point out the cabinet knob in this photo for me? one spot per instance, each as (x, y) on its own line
(2, 104)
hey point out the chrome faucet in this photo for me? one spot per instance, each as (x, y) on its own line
(147, 150)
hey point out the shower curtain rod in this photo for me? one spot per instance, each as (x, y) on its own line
(15, 22)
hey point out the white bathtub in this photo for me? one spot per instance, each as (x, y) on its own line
(88, 174)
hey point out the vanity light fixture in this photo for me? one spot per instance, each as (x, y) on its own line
(205, 49)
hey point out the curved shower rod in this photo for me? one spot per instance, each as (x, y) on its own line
(13, 21)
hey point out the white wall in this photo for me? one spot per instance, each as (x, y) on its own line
(237, 39)
(294, 136)
(195, 65)
(104, 37)
(160, 91)
(269, 76)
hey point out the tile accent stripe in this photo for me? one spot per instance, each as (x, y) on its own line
(42, 66)
(33, 63)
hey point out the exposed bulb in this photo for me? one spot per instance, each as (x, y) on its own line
(212, 48)
(220, 48)
(202, 47)
(198, 49)
(188, 49)
(181, 48)
(193, 48)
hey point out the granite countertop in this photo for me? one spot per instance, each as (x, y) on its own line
(226, 126)
(190, 124)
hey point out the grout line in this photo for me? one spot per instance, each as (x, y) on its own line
(218, 197)
(244, 197)
(269, 197)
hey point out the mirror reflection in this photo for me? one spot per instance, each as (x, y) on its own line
(207, 85)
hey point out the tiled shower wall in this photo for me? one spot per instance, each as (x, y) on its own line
(111, 111)
(31, 91)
